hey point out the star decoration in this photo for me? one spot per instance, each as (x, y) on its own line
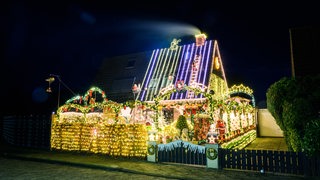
(212, 140)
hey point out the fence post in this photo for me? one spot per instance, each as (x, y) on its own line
(152, 151)
(212, 155)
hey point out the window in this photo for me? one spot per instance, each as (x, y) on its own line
(130, 64)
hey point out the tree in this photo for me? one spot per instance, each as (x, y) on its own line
(181, 123)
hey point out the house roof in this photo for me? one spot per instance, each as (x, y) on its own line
(190, 64)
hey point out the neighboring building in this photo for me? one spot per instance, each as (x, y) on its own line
(197, 65)
(305, 48)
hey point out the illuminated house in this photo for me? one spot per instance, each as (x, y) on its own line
(145, 76)
(175, 91)
(197, 65)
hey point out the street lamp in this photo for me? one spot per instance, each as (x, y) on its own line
(51, 79)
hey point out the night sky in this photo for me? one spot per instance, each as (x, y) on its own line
(71, 39)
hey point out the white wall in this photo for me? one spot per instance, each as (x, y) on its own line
(267, 126)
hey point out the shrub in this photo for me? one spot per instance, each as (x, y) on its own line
(182, 123)
(295, 103)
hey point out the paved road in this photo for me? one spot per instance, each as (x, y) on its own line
(26, 165)
(24, 169)
(20, 169)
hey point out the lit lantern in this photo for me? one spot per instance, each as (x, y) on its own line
(216, 62)
(200, 39)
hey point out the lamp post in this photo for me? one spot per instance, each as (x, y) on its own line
(51, 79)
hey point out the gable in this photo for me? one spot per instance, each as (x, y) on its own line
(193, 64)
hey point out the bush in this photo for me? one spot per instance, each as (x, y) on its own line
(295, 103)
(311, 143)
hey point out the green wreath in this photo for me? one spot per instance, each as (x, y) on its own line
(151, 149)
(211, 153)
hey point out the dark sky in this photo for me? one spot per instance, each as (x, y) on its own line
(71, 39)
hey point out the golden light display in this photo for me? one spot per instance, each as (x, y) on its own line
(92, 123)
(76, 128)
(126, 140)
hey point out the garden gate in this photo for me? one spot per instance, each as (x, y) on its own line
(182, 152)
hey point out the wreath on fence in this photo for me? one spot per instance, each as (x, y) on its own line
(212, 153)
(151, 149)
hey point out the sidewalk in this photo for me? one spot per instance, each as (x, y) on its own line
(137, 166)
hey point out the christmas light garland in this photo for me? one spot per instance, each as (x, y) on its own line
(85, 125)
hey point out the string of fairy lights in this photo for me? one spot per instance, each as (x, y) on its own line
(126, 140)
(86, 126)
(92, 123)
(78, 127)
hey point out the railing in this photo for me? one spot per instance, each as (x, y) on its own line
(27, 131)
(269, 161)
(182, 152)
(286, 162)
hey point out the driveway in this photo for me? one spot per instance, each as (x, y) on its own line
(268, 143)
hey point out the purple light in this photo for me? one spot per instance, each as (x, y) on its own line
(207, 61)
(184, 56)
(149, 73)
(180, 62)
(206, 67)
(188, 66)
(202, 50)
